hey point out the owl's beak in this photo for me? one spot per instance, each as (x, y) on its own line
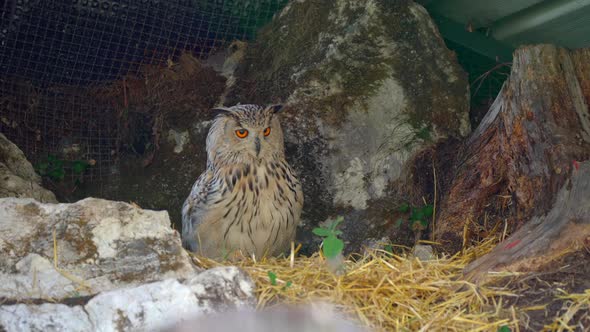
(257, 145)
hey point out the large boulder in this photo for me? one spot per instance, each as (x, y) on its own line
(95, 244)
(147, 307)
(368, 86)
(17, 176)
(103, 265)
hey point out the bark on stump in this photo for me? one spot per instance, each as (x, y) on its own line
(531, 146)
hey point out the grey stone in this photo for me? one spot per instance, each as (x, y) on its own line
(99, 265)
(17, 175)
(49, 317)
(371, 244)
(423, 252)
(146, 307)
(99, 245)
(368, 85)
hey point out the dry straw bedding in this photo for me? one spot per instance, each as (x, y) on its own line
(390, 292)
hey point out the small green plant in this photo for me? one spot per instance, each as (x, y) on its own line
(52, 168)
(55, 169)
(424, 134)
(419, 217)
(273, 280)
(388, 248)
(272, 277)
(332, 245)
(504, 328)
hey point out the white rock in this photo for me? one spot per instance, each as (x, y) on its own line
(119, 267)
(101, 245)
(35, 277)
(46, 317)
(179, 139)
(17, 176)
(423, 252)
(146, 307)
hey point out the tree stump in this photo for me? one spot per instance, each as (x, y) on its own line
(530, 149)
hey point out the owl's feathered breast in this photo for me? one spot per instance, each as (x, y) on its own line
(253, 208)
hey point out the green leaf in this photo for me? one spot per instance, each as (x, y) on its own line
(424, 134)
(417, 214)
(404, 208)
(79, 166)
(51, 158)
(427, 210)
(504, 328)
(332, 246)
(399, 223)
(57, 174)
(335, 223)
(424, 223)
(273, 278)
(389, 248)
(287, 285)
(58, 163)
(322, 231)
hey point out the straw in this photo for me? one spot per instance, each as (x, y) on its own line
(384, 291)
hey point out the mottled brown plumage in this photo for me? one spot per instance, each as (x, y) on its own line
(248, 199)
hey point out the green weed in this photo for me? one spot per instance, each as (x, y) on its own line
(332, 245)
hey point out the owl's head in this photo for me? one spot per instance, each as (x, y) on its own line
(245, 134)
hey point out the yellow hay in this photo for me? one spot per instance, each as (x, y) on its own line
(386, 292)
(575, 304)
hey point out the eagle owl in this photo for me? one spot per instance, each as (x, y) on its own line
(248, 199)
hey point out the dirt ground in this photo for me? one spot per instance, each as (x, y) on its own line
(570, 275)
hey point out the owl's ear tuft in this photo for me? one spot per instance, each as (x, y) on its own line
(214, 112)
(276, 108)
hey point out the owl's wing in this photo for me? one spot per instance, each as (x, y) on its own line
(194, 209)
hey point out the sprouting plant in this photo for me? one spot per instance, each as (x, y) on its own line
(388, 248)
(52, 168)
(272, 277)
(287, 285)
(273, 280)
(332, 245)
(424, 134)
(55, 168)
(418, 219)
(504, 328)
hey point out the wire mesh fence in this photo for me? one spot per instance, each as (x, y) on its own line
(68, 69)
(58, 57)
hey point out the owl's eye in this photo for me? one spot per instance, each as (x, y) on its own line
(266, 131)
(241, 133)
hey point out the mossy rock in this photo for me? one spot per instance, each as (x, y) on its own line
(368, 85)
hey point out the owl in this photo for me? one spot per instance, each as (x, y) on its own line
(249, 198)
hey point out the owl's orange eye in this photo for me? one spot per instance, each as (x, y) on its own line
(266, 131)
(241, 133)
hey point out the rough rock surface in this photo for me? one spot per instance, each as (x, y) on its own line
(17, 176)
(368, 85)
(99, 245)
(146, 307)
